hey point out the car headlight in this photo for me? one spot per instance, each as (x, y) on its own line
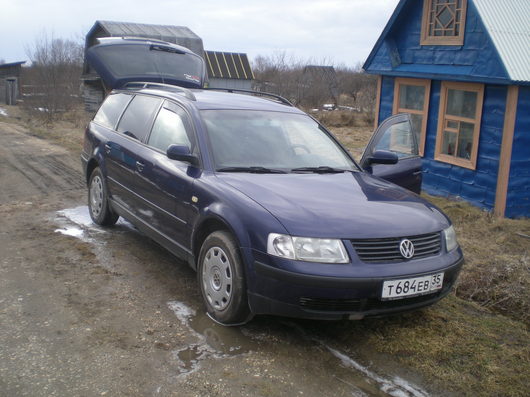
(308, 249)
(450, 238)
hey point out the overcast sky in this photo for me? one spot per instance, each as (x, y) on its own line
(339, 31)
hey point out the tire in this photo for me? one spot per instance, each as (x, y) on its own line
(98, 202)
(222, 279)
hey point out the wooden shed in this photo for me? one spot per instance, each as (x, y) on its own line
(10, 82)
(228, 70)
(462, 69)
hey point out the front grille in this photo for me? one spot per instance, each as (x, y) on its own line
(364, 305)
(331, 305)
(387, 249)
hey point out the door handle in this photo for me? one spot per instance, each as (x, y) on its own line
(108, 148)
(416, 173)
(140, 166)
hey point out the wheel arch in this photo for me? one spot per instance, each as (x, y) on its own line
(90, 167)
(206, 227)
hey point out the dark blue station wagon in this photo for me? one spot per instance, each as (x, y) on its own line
(267, 206)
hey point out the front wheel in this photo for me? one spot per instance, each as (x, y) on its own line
(98, 202)
(222, 279)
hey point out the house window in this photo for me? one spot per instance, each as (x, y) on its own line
(412, 96)
(443, 22)
(459, 123)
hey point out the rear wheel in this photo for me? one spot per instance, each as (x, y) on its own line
(98, 203)
(222, 279)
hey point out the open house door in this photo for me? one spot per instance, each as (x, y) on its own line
(396, 135)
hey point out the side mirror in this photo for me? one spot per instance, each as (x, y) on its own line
(181, 153)
(383, 157)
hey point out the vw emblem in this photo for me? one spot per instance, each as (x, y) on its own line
(406, 248)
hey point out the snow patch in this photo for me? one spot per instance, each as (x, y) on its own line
(71, 231)
(83, 227)
(78, 215)
(3, 112)
(397, 387)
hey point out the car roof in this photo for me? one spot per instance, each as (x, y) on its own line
(210, 99)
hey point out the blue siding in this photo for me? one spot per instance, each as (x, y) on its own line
(387, 98)
(401, 54)
(518, 199)
(476, 186)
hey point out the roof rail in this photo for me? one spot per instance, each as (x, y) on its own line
(278, 97)
(136, 85)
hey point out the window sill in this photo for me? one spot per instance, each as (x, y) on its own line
(459, 162)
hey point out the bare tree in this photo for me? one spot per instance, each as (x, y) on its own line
(312, 83)
(51, 84)
(357, 88)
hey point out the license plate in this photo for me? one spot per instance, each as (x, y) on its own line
(396, 289)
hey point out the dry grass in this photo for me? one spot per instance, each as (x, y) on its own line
(497, 269)
(66, 130)
(343, 118)
(458, 347)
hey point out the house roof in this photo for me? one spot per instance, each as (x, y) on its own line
(228, 65)
(507, 25)
(8, 65)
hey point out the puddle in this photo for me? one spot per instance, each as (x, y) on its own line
(213, 341)
(218, 342)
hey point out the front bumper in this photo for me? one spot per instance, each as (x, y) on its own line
(286, 293)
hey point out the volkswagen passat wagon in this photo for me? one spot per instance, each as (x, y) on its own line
(272, 212)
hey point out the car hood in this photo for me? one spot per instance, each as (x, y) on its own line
(343, 205)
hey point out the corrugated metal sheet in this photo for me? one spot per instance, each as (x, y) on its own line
(180, 35)
(508, 24)
(228, 65)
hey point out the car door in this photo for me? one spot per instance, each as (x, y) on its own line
(125, 152)
(396, 134)
(171, 180)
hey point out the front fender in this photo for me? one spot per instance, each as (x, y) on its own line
(249, 222)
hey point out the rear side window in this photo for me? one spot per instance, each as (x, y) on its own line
(171, 127)
(109, 113)
(138, 117)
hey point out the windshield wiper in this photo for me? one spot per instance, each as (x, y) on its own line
(323, 169)
(252, 170)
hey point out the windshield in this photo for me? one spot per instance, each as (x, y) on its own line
(143, 60)
(261, 141)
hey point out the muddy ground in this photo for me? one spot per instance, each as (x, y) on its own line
(86, 311)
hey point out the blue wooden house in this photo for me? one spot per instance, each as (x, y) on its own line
(462, 69)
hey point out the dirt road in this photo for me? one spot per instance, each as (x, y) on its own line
(86, 311)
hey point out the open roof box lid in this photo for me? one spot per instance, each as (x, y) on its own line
(119, 61)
